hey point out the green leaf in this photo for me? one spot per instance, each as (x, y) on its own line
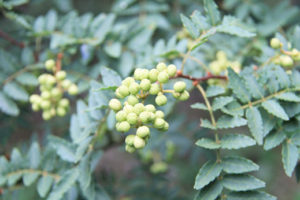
(253, 86)
(250, 195)
(233, 109)
(110, 77)
(295, 139)
(200, 20)
(34, 155)
(190, 26)
(212, 11)
(61, 40)
(242, 182)
(19, 19)
(27, 79)
(255, 124)
(236, 141)
(65, 183)
(51, 20)
(113, 49)
(289, 155)
(204, 123)
(237, 85)
(13, 179)
(85, 172)
(104, 28)
(29, 178)
(207, 173)
(8, 106)
(207, 143)
(66, 153)
(274, 139)
(126, 63)
(274, 108)
(288, 96)
(44, 185)
(15, 91)
(233, 26)
(200, 106)
(226, 121)
(214, 90)
(220, 102)
(210, 192)
(238, 165)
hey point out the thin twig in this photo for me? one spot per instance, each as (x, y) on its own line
(11, 40)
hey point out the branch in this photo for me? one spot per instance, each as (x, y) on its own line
(11, 40)
(197, 80)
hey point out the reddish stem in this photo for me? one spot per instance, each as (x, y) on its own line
(197, 80)
(11, 40)
(58, 62)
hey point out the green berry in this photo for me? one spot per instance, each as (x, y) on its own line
(64, 103)
(45, 104)
(34, 98)
(138, 108)
(179, 86)
(159, 114)
(161, 66)
(144, 74)
(129, 140)
(144, 116)
(145, 84)
(132, 118)
(53, 111)
(56, 93)
(123, 90)
(117, 93)
(163, 77)
(184, 96)
(61, 75)
(153, 75)
(176, 95)
(172, 70)
(129, 149)
(46, 95)
(166, 127)
(46, 115)
(150, 108)
(128, 109)
(152, 117)
(127, 81)
(286, 61)
(115, 104)
(155, 89)
(50, 80)
(42, 79)
(73, 89)
(66, 84)
(124, 126)
(275, 43)
(138, 74)
(143, 131)
(161, 100)
(61, 111)
(121, 116)
(50, 64)
(138, 142)
(35, 107)
(134, 88)
(132, 100)
(159, 123)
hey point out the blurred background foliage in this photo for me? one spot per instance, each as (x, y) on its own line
(123, 35)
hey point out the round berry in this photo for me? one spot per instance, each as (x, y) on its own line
(134, 88)
(61, 111)
(150, 108)
(166, 127)
(176, 95)
(154, 90)
(129, 149)
(34, 98)
(163, 77)
(172, 70)
(132, 118)
(179, 86)
(144, 74)
(132, 100)
(184, 96)
(159, 114)
(153, 75)
(286, 61)
(123, 90)
(161, 100)
(152, 117)
(138, 74)
(144, 116)
(124, 126)
(50, 64)
(56, 93)
(129, 140)
(117, 93)
(42, 79)
(143, 131)
(121, 116)
(138, 108)
(73, 89)
(115, 104)
(275, 43)
(50, 80)
(46, 115)
(161, 66)
(64, 103)
(145, 84)
(127, 81)
(61, 75)
(159, 123)
(35, 107)
(138, 142)
(128, 109)
(66, 84)
(46, 95)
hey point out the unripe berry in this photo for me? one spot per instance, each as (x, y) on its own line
(179, 86)
(286, 61)
(132, 118)
(152, 117)
(66, 84)
(176, 95)
(153, 75)
(138, 142)
(61, 75)
(161, 66)
(34, 98)
(50, 80)
(35, 107)
(117, 93)
(118, 127)
(127, 81)
(154, 90)
(73, 89)
(172, 70)
(56, 93)
(46, 95)
(42, 79)
(134, 88)
(64, 103)
(143, 131)
(159, 114)
(50, 64)
(124, 126)
(115, 104)
(46, 115)
(128, 109)
(53, 112)
(123, 90)
(121, 116)
(163, 77)
(161, 100)
(144, 74)
(129, 149)
(129, 139)
(144, 116)
(184, 96)
(275, 43)
(145, 84)
(132, 100)
(166, 127)
(138, 108)
(138, 74)
(150, 108)
(159, 123)
(61, 111)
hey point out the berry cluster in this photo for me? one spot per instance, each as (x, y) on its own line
(285, 58)
(221, 63)
(52, 88)
(133, 113)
